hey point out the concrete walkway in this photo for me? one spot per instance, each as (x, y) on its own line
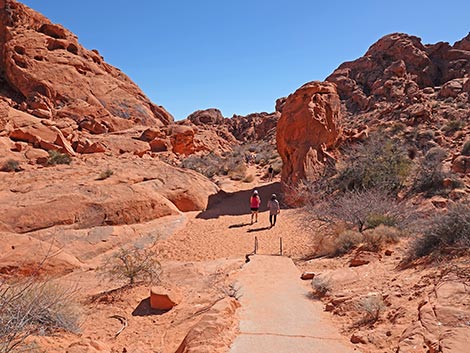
(277, 314)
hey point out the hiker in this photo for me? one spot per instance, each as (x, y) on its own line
(270, 173)
(274, 210)
(255, 202)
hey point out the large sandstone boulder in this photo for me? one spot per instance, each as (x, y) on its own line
(57, 78)
(308, 127)
(139, 190)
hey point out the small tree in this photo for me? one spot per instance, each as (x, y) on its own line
(132, 264)
(361, 209)
(378, 163)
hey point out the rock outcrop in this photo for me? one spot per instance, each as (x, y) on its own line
(308, 127)
(399, 68)
(50, 75)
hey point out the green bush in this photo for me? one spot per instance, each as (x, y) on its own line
(445, 233)
(452, 126)
(346, 241)
(105, 174)
(429, 176)
(375, 219)
(11, 166)
(466, 148)
(56, 157)
(378, 163)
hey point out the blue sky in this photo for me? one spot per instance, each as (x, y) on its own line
(241, 55)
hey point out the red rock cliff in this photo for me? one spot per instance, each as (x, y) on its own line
(50, 75)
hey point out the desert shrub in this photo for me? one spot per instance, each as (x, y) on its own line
(466, 148)
(11, 166)
(429, 176)
(249, 178)
(358, 208)
(444, 233)
(132, 264)
(377, 163)
(346, 241)
(321, 286)
(236, 170)
(374, 220)
(371, 307)
(35, 307)
(56, 157)
(376, 238)
(209, 165)
(105, 174)
(453, 125)
(397, 128)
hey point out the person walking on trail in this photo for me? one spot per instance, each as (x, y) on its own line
(274, 210)
(270, 173)
(255, 202)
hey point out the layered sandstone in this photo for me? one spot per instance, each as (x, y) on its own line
(50, 75)
(400, 69)
(308, 127)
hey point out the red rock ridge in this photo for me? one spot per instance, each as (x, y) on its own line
(52, 76)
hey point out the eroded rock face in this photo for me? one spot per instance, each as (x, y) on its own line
(308, 127)
(399, 68)
(53, 76)
(138, 191)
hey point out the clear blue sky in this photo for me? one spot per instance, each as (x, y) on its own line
(241, 55)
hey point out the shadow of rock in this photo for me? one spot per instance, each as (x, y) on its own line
(237, 203)
(144, 309)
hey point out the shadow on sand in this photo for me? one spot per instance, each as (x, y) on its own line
(257, 229)
(144, 309)
(237, 203)
(239, 225)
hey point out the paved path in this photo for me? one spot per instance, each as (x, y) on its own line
(278, 316)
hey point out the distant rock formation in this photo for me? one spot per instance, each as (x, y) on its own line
(399, 68)
(308, 127)
(50, 75)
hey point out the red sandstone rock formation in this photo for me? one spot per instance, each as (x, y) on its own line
(52, 76)
(308, 127)
(399, 68)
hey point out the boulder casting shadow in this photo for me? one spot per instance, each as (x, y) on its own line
(144, 309)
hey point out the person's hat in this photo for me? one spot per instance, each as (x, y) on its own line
(255, 192)
(273, 195)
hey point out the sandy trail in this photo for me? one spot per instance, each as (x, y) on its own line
(276, 310)
(277, 313)
(224, 230)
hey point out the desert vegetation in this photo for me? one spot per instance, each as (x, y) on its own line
(130, 265)
(35, 306)
(11, 165)
(234, 163)
(365, 200)
(56, 157)
(444, 234)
